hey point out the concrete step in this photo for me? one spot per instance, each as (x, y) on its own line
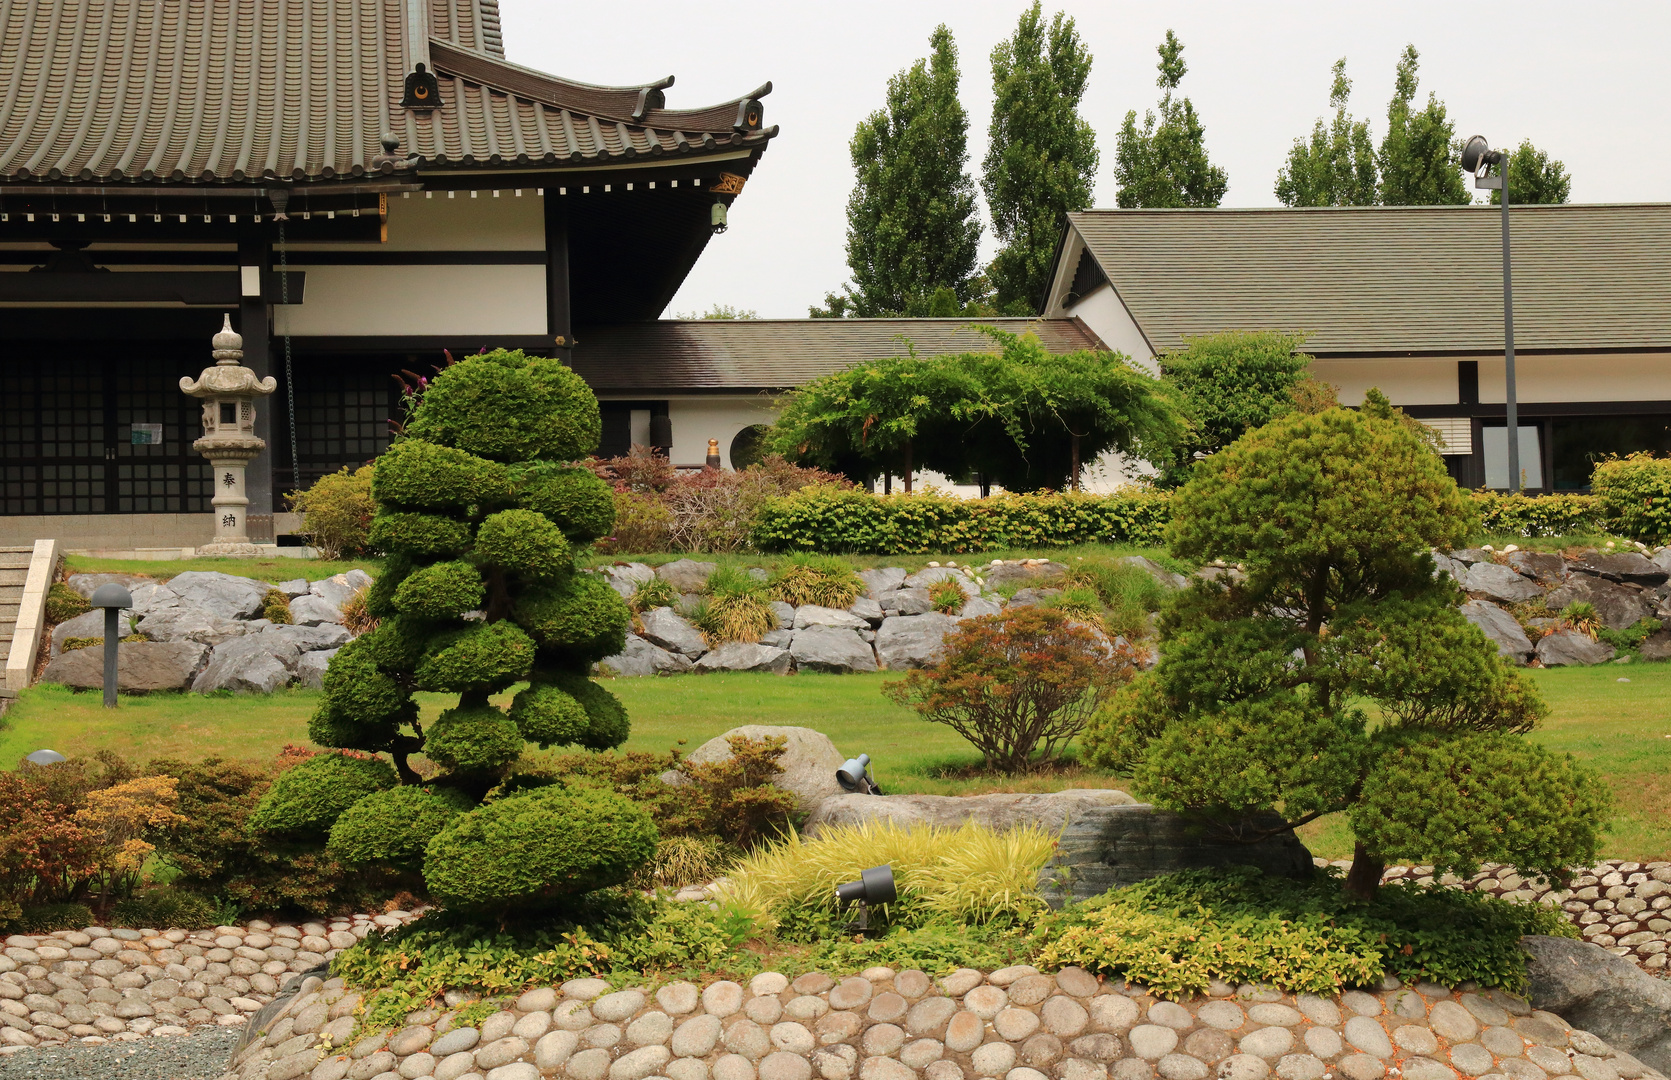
(14, 562)
(13, 576)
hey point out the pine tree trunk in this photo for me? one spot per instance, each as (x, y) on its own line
(1365, 876)
(1076, 462)
(907, 466)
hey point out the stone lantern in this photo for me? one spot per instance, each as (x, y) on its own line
(229, 391)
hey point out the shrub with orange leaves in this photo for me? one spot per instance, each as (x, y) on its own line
(119, 818)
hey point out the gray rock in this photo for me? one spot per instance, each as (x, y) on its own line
(221, 594)
(310, 669)
(357, 579)
(746, 656)
(822, 647)
(977, 606)
(1004, 811)
(1028, 597)
(1228, 575)
(1470, 556)
(625, 578)
(1628, 566)
(758, 573)
(1500, 627)
(336, 590)
(309, 638)
(151, 597)
(311, 610)
(1156, 571)
(922, 579)
(1500, 583)
(140, 666)
(1104, 847)
(1619, 607)
(809, 760)
(785, 614)
(190, 624)
(662, 626)
(1007, 573)
(1444, 564)
(1662, 558)
(89, 624)
(812, 615)
(87, 584)
(687, 575)
(906, 602)
(1544, 567)
(913, 641)
(1658, 646)
(252, 664)
(1606, 995)
(778, 639)
(294, 587)
(867, 609)
(642, 658)
(1569, 648)
(883, 580)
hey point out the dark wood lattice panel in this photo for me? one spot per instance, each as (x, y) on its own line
(343, 407)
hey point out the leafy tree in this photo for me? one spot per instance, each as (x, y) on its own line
(1228, 384)
(720, 311)
(1337, 167)
(1535, 178)
(1048, 413)
(911, 224)
(899, 414)
(480, 516)
(1259, 700)
(1165, 164)
(1042, 157)
(1420, 163)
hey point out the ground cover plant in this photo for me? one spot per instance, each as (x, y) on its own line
(1253, 707)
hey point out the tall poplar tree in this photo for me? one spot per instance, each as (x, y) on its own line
(1042, 157)
(1165, 164)
(911, 224)
(1420, 163)
(1337, 167)
(1535, 178)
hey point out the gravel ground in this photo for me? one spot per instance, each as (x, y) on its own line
(199, 1056)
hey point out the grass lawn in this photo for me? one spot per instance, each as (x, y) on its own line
(1623, 729)
(259, 569)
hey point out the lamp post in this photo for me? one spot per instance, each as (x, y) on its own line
(1477, 158)
(113, 599)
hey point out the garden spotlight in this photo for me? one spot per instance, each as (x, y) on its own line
(854, 776)
(875, 886)
(45, 757)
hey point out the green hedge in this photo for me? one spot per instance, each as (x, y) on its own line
(1540, 515)
(1635, 494)
(833, 520)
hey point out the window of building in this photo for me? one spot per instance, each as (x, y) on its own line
(1580, 442)
(1495, 442)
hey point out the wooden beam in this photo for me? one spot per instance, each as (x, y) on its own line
(137, 286)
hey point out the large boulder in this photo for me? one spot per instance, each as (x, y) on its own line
(1545, 567)
(867, 609)
(1657, 647)
(1156, 571)
(1606, 995)
(812, 615)
(625, 578)
(1105, 847)
(141, 666)
(1444, 564)
(87, 584)
(809, 761)
(1470, 556)
(884, 579)
(664, 627)
(821, 647)
(294, 587)
(1028, 572)
(639, 658)
(687, 575)
(252, 664)
(310, 638)
(310, 609)
(1628, 566)
(220, 594)
(1619, 607)
(1050, 811)
(180, 623)
(89, 624)
(913, 641)
(310, 669)
(746, 656)
(338, 589)
(1501, 583)
(976, 606)
(784, 613)
(151, 597)
(905, 602)
(1569, 648)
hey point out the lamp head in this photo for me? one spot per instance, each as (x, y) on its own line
(111, 595)
(1477, 155)
(875, 886)
(45, 757)
(852, 774)
(716, 218)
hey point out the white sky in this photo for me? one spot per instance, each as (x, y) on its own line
(1582, 80)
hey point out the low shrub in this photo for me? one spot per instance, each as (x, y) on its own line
(1019, 686)
(657, 592)
(1635, 495)
(642, 523)
(166, 908)
(936, 948)
(47, 918)
(1539, 515)
(735, 608)
(735, 796)
(64, 603)
(810, 579)
(1177, 933)
(969, 874)
(835, 520)
(275, 607)
(1631, 638)
(336, 512)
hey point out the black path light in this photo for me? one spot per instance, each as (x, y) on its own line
(875, 886)
(113, 598)
(1477, 158)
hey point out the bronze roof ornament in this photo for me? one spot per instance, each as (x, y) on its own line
(422, 90)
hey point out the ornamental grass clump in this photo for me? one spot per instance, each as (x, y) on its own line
(812, 579)
(480, 513)
(1258, 702)
(734, 609)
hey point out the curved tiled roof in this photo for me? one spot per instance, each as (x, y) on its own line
(1387, 280)
(746, 355)
(243, 90)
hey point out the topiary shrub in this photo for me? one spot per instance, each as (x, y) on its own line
(538, 846)
(307, 798)
(480, 509)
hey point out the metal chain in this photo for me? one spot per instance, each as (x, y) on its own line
(289, 370)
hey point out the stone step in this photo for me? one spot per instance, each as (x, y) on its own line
(13, 575)
(14, 562)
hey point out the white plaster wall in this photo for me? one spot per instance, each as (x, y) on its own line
(417, 300)
(1405, 382)
(1108, 319)
(437, 223)
(697, 419)
(1623, 377)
